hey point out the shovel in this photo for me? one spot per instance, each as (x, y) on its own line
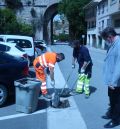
(55, 101)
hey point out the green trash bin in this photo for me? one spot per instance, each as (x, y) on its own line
(27, 93)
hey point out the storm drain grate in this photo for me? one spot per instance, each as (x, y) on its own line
(63, 104)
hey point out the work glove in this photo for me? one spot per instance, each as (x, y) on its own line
(82, 70)
(52, 83)
(73, 66)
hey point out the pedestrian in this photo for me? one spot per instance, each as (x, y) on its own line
(82, 56)
(46, 60)
(112, 75)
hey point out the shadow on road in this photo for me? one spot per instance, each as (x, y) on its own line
(10, 101)
(43, 104)
(92, 89)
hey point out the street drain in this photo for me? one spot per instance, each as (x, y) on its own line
(64, 104)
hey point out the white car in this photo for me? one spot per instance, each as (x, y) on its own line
(13, 49)
(25, 42)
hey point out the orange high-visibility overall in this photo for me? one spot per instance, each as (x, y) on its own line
(46, 60)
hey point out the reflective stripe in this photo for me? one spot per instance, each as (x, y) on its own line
(43, 83)
(44, 61)
(43, 88)
(40, 59)
(51, 65)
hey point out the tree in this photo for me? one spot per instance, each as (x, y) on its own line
(73, 10)
(8, 22)
(10, 25)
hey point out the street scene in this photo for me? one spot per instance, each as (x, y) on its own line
(59, 64)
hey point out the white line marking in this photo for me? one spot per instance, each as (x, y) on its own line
(20, 115)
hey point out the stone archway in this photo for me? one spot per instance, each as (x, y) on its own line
(48, 18)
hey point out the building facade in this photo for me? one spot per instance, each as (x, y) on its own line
(106, 13)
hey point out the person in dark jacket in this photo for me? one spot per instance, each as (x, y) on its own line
(82, 56)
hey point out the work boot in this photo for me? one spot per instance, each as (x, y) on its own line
(79, 90)
(87, 96)
(111, 124)
(47, 96)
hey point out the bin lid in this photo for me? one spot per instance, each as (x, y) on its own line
(27, 83)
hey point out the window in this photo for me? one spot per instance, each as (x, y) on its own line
(98, 10)
(21, 42)
(117, 23)
(103, 6)
(2, 48)
(102, 24)
(113, 2)
(108, 22)
(1, 39)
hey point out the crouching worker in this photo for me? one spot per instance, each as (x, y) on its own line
(81, 54)
(46, 60)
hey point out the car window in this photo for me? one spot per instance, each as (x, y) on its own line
(19, 48)
(1, 39)
(3, 59)
(23, 43)
(4, 48)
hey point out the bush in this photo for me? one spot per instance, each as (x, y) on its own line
(25, 29)
(9, 24)
(63, 37)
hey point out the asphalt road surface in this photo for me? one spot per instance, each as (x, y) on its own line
(82, 114)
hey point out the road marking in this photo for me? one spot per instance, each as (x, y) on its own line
(66, 118)
(21, 115)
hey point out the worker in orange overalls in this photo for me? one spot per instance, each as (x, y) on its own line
(46, 60)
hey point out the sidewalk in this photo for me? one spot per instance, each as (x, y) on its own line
(66, 118)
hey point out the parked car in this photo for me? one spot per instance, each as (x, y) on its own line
(11, 69)
(13, 49)
(40, 47)
(40, 42)
(24, 42)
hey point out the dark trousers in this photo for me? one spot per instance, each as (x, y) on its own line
(114, 97)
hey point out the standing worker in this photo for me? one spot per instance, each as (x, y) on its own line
(46, 60)
(82, 56)
(112, 75)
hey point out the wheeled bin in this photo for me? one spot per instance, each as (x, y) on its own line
(27, 93)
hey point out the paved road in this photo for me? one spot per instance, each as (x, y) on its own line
(82, 113)
(93, 108)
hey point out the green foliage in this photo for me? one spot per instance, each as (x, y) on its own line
(61, 37)
(73, 10)
(25, 29)
(9, 24)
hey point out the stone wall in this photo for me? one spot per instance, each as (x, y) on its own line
(39, 7)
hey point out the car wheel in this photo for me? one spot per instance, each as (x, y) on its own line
(3, 94)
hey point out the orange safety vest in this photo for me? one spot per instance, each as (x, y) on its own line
(46, 60)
